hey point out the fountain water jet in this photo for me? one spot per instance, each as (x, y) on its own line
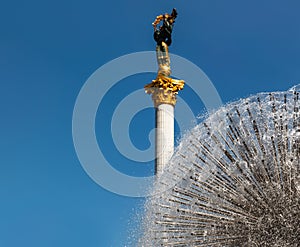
(236, 179)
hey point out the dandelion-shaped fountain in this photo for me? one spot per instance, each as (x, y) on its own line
(236, 179)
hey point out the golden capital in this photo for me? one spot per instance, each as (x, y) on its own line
(164, 89)
(161, 96)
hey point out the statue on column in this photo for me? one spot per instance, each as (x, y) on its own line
(164, 88)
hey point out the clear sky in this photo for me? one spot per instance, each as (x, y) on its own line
(48, 49)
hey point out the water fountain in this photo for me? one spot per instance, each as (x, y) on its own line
(234, 179)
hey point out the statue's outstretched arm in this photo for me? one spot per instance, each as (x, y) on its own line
(157, 20)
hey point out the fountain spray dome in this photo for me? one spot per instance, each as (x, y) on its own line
(236, 179)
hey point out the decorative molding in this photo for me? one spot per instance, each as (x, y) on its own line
(164, 90)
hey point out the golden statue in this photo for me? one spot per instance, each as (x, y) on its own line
(164, 88)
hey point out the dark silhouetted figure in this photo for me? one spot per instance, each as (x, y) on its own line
(164, 32)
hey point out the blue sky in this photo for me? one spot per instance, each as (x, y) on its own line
(48, 49)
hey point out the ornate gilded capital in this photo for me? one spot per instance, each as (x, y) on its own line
(164, 89)
(161, 96)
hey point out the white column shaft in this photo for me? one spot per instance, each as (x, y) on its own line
(164, 136)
